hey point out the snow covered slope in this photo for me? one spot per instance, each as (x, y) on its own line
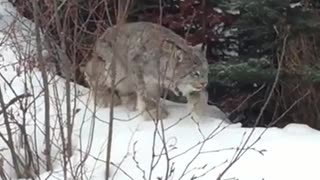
(182, 147)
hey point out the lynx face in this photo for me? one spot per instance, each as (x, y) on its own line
(195, 75)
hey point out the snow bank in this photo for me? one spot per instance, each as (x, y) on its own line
(182, 147)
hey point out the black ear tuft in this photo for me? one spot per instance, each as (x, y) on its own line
(200, 47)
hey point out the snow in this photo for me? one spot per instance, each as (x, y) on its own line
(196, 147)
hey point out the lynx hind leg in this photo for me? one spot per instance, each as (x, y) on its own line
(100, 93)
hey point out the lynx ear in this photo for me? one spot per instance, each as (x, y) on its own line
(200, 47)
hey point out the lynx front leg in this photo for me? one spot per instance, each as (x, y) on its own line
(199, 103)
(147, 105)
(149, 108)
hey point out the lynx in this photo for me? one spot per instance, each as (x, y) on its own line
(150, 58)
(94, 72)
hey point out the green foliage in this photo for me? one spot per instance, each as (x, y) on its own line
(252, 71)
(257, 71)
(262, 20)
(260, 25)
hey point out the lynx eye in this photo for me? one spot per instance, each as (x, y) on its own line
(196, 74)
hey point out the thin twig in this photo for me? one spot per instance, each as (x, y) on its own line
(14, 100)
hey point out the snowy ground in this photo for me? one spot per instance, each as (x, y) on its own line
(196, 148)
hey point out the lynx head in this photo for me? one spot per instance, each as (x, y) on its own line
(193, 71)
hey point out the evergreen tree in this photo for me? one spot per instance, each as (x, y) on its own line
(268, 29)
(260, 25)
